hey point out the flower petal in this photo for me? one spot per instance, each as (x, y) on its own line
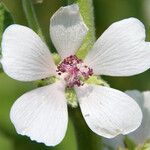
(108, 112)
(121, 50)
(67, 30)
(142, 133)
(42, 114)
(25, 56)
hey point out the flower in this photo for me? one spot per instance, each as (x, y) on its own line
(42, 114)
(142, 134)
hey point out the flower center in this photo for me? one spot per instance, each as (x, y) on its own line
(74, 71)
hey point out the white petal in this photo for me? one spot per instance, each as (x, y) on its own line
(121, 50)
(25, 56)
(67, 30)
(108, 112)
(118, 141)
(142, 133)
(42, 114)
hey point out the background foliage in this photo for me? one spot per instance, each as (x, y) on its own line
(106, 12)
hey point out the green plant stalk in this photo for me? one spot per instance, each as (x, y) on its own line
(16, 11)
(1, 21)
(86, 9)
(86, 139)
(1, 68)
(31, 17)
(129, 143)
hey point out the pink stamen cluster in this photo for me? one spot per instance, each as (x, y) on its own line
(74, 71)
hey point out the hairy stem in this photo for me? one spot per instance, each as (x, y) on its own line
(86, 139)
(31, 16)
(86, 9)
(16, 11)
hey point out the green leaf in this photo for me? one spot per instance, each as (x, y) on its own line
(5, 142)
(130, 145)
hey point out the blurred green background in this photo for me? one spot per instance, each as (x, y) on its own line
(106, 12)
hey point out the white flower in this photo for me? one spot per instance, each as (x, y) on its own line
(142, 134)
(42, 113)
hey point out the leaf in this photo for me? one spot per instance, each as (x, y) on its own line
(5, 142)
(130, 145)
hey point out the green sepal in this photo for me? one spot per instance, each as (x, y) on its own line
(96, 80)
(56, 58)
(71, 97)
(46, 81)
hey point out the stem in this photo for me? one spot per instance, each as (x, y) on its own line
(86, 139)
(1, 68)
(31, 16)
(16, 11)
(44, 11)
(2, 11)
(86, 9)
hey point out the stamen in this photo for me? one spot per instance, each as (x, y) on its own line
(74, 71)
